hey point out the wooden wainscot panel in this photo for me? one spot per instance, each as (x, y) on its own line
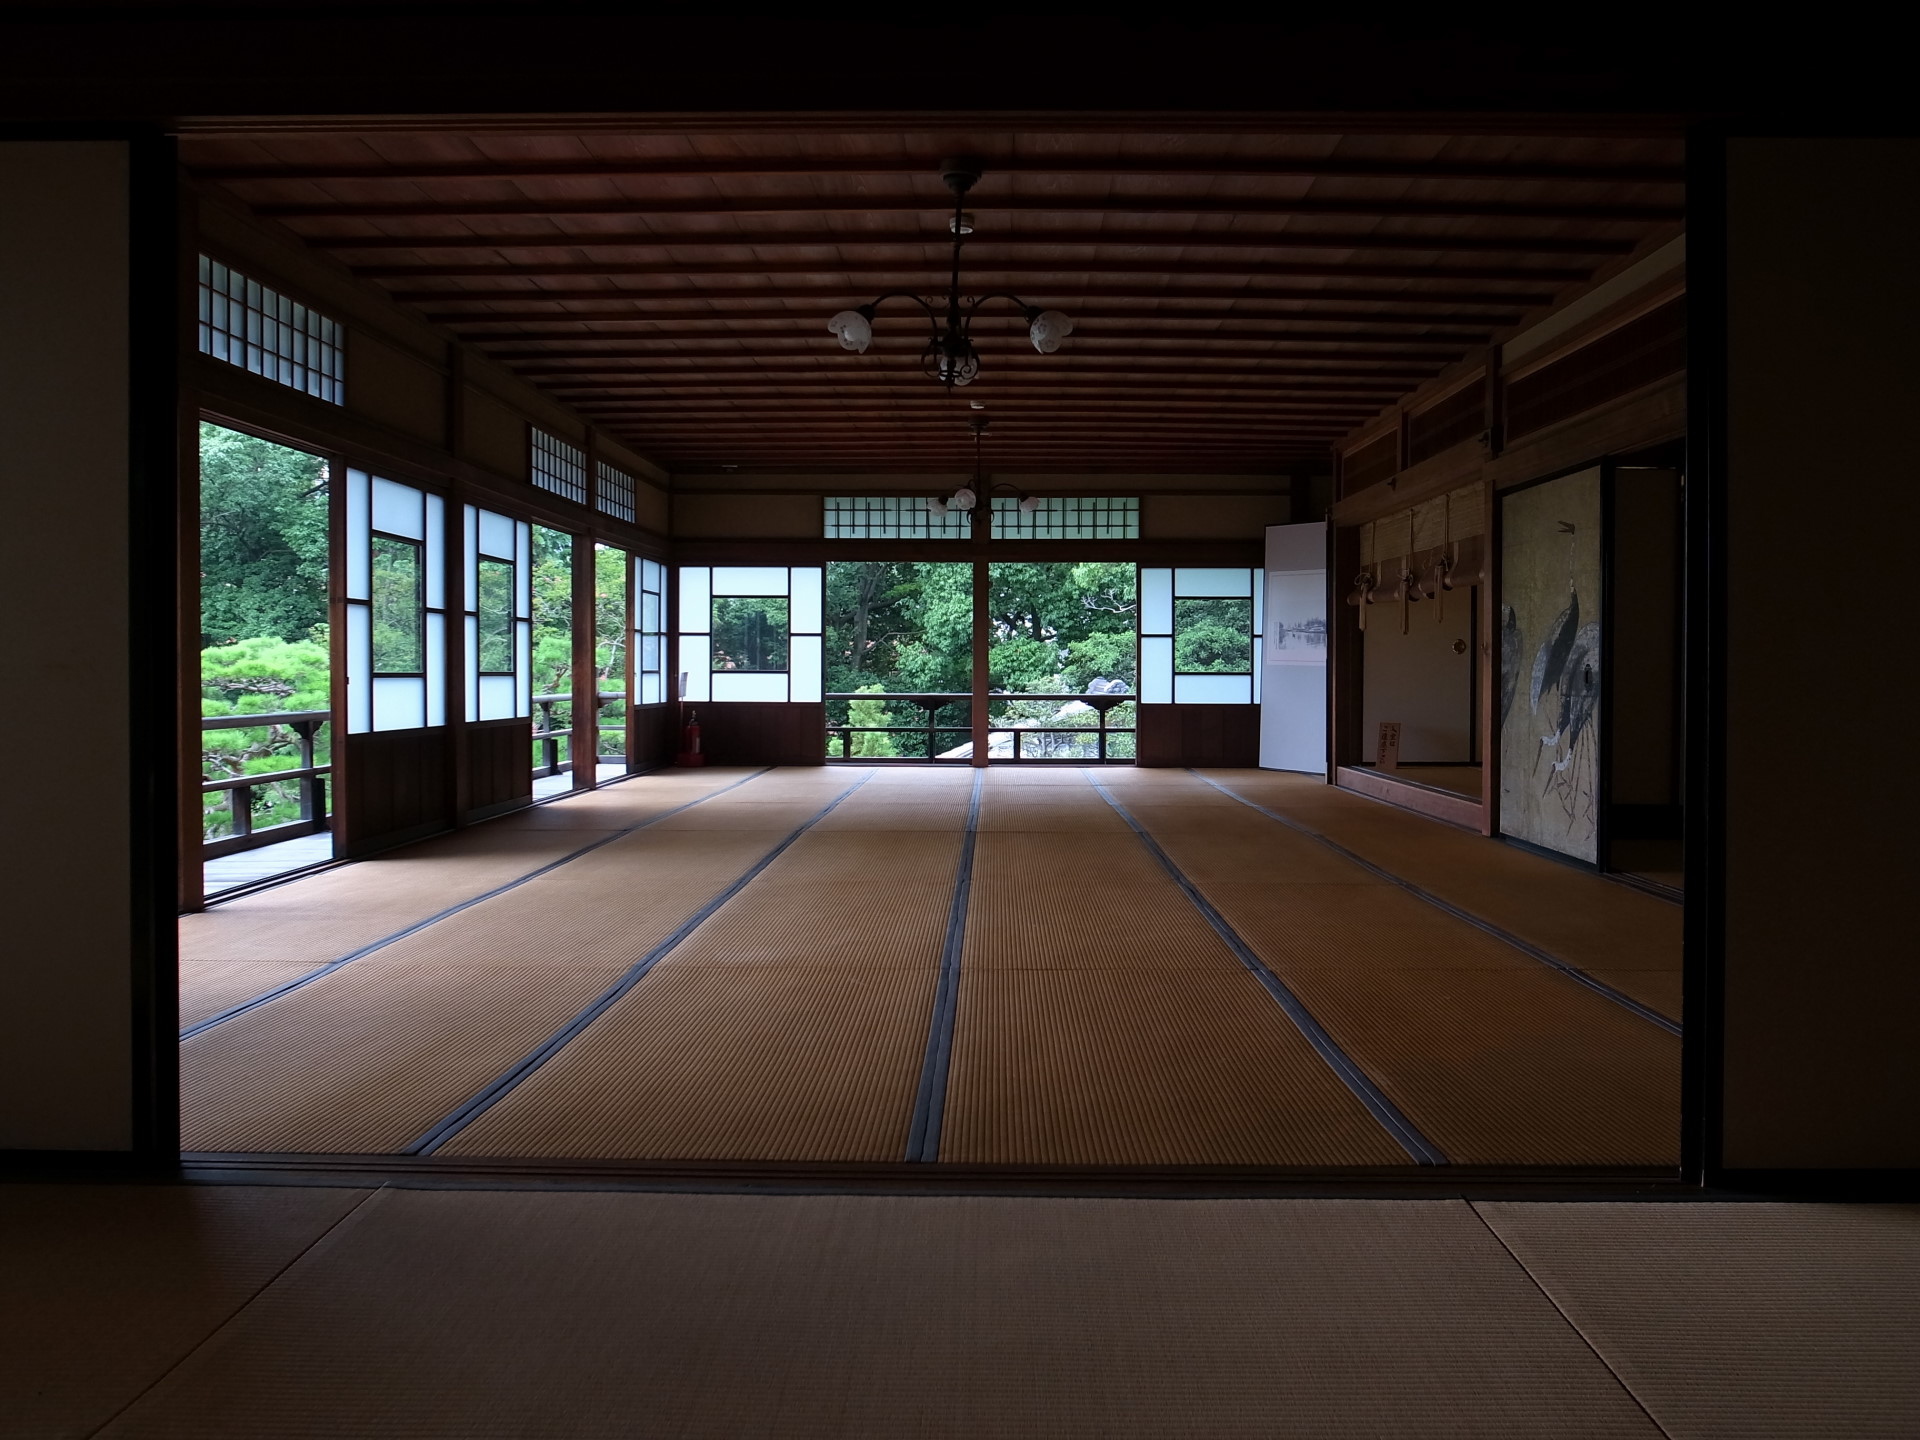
(1225, 737)
(743, 733)
(1461, 810)
(396, 788)
(499, 767)
(655, 738)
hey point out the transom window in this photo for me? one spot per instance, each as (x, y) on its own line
(1068, 517)
(247, 324)
(558, 467)
(614, 493)
(891, 517)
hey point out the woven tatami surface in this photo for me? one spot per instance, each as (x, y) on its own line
(1496, 1057)
(1629, 938)
(370, 1056)
(1100, 1019)
(292, 928)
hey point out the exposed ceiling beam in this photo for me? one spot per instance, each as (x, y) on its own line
(1510, 304)
(977, 275)
(906, 362)
(809, 348)
(932, 204)
(705, 327)
(1236, 166)
(838, 240)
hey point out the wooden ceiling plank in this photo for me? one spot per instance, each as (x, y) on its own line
(984, 276)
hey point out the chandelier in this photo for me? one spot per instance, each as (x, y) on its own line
(968, 496)
(950, 357)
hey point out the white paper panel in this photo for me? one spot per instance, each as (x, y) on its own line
(1201, 584)
(749, 579)
(523, 666)
(396, 509)
(696, 659)
(436, 553)
(470, 595)
(803, 615)
(1156, 600)
(399, 702)
(649, 614)
(496, 535)
(696, 600)
(1213, 689)
(1156, 668)
(803, 663)
(496, 697)
(359, 669)
(359, 555)
(523, 570)
(472, 662)
(651, 576)
(732, 686)
(650, 689)
(436, 669)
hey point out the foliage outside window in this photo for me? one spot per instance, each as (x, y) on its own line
(610, 632)
(399, 627)
(749, 634)
(496, 616)
(263, 615)
(1213, 637)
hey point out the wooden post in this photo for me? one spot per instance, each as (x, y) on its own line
(583, 746)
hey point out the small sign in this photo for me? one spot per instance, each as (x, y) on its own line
(1387, 756)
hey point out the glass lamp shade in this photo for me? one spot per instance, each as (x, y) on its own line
(963, 499)
(1048, 329)
(1029, 504)
(854, 329)
(936, 506)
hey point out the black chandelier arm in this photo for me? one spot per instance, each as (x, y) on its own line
(1032, 312)
(875, 303)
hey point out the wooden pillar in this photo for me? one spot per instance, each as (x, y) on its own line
(584, 744)
(982, 590)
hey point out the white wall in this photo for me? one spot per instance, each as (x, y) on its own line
(1418, 680)
(65, 970)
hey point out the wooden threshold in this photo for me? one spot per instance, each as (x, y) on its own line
(1428, 800)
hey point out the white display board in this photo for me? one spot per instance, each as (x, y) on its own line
(1293, 650)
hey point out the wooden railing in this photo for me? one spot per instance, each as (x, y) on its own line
(932, 704)
(311, 778)
(548, 736)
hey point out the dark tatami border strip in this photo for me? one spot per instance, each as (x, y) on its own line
(365, 950)
(492, 1094)
(1418, 1146)
(1525, 947)
(930, 1103)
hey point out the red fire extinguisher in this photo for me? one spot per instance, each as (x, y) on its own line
(690, 752)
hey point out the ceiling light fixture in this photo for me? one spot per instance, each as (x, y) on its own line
(950, 356)
(968, 496)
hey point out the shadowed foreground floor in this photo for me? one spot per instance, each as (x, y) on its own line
(233, 1311)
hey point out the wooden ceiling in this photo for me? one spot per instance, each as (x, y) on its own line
(1241, 297)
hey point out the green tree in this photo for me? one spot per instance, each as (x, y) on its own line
(1213, 637)
(263, 539)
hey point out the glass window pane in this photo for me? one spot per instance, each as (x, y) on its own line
(496, 616)
(1235, 582)
(1212, 689)
(1156, 600)
(750, 634)
(1213, 637)
(398, 642)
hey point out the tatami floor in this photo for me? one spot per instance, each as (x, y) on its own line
(1021, 967)
(217, 1312)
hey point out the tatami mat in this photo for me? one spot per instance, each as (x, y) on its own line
(473, 1315)
(104, 1288)
(786, 1027)
(1581, 918)
(1741, 1322)
(310, 922)
(368, 1057)
(1495, 1057)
